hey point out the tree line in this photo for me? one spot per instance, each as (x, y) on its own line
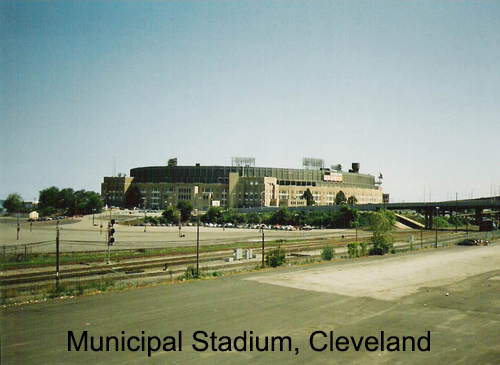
(346, 217)
(381, 223)
(55, 201)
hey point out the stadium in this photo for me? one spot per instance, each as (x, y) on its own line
(242, 185)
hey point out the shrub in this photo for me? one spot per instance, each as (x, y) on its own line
(352, 250)
(364, 249)
(191, 273)
(327, 253)
(275, 258)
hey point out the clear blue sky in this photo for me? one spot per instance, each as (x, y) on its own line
(410, 89)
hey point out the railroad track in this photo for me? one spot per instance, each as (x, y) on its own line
(172, 265)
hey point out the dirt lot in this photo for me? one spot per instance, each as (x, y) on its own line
(397, 278)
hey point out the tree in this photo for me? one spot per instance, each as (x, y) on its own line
(344, 217)
(13, 203)
(48, 199)
(213, 215)
(66, 199)
(282, 216)
(352, 200)
(171, 215)
(308, 197)
(185, 208)
(340, 198)
(254, 218)
(93, 202)
(382, 226)
(133, 197)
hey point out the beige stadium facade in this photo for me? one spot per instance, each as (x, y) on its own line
(239, 186)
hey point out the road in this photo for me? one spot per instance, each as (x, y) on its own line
(464, 325)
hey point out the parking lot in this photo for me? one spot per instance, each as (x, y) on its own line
(85, 234)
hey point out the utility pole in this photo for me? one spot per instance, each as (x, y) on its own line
(179, 223)
(109, 246)
(263, 248)
(57, 259)
(198, 249)
(437, 214)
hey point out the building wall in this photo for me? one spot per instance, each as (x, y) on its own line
(113, 190)
(229, 187)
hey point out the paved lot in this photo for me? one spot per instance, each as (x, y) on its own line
(464, 326)
(82, 235)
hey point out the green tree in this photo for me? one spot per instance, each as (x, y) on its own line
(213, 215)
(171, 215)
(48, 200)
(340, 198)
(253, 218)
(352, 200)
(345, 217)
(382, 227)
(308, 197)
(13, 203)
(133, 197)
(66, 199)
(93, 202)
(53, 201)
(282, 216)
(185, 208)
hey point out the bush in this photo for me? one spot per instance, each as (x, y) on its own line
(327, 253)
(191, 273)
(275, 258)
(364, 249)
(352, 250)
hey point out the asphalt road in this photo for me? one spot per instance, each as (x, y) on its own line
(464, 326)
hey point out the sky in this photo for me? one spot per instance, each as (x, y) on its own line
(409, 89)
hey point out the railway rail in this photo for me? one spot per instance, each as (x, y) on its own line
(158, 265)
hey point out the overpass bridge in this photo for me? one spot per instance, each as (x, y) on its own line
(481, 207)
